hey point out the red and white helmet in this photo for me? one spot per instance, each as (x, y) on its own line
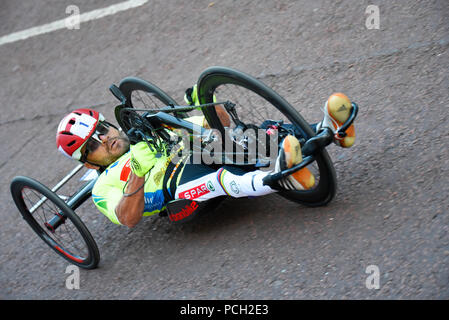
(75, 129)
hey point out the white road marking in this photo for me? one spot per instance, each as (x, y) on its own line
(61, 24)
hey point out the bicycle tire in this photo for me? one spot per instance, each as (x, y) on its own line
(130, 85)
(91, 256)
(214, 77)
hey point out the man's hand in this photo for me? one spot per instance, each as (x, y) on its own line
(142, 158)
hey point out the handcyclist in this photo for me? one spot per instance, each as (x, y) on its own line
(136, 181)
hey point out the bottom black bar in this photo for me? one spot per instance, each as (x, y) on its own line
(234, 309)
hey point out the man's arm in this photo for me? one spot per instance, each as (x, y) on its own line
(130, 208)
(222, 115)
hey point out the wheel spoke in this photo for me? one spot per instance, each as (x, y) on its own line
(64, 236)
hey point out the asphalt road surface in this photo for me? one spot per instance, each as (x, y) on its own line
(391, 208)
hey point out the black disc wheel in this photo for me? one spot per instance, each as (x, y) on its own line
(55, 222)
(256, 104)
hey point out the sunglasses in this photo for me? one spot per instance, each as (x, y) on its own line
(94, 141)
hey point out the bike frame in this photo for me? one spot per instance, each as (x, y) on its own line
(311, 146)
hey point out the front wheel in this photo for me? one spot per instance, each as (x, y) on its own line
(55, 222)
(142, 94)
(255, 104)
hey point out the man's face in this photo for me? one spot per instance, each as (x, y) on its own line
(114, 144)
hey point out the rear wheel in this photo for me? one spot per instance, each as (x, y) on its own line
(55, 222)
(255, 104)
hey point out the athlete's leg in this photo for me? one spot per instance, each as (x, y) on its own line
(201, 183)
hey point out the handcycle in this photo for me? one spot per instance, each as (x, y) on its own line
(148, 113)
